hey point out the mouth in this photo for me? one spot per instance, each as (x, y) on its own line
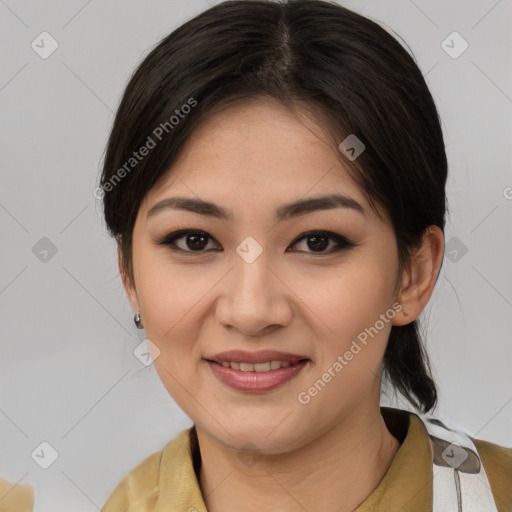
(256, 377)
(266, 366)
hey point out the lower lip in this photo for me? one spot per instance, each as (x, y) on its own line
(256, 382)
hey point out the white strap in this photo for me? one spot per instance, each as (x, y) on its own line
(460, 483)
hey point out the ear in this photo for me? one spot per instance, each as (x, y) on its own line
(129, 286)
(419, 279)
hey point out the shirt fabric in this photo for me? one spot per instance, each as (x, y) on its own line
(168, 480)
(16, 497)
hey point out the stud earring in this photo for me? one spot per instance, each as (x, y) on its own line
(137, 321)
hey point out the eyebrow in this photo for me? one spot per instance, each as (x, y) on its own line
(295, 209)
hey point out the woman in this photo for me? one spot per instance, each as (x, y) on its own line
(275, 180)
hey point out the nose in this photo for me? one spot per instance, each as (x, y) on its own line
(254, 298)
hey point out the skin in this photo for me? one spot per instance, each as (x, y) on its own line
(251, 158)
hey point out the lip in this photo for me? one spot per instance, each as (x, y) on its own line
(256, 382)
(241, 356)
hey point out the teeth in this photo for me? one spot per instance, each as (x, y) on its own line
(262, 367)
(256, 367)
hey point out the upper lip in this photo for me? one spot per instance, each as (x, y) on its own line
(241, 356)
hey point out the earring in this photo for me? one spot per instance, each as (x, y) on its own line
(137, 321)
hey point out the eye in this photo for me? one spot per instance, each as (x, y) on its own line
(318, 241)
(195, 241)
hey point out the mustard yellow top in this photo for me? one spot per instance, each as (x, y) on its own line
(16, 497)
(167, 481)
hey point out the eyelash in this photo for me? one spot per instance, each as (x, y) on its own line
(170, 239)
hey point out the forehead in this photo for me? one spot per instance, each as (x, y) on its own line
(254, 152)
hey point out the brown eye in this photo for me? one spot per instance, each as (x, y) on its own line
(192, 241)
(318, 242)
(196, 241)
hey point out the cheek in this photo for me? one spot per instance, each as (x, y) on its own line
(356, 306)
(171, 303)
(175, 302)
(351, 304)
(351, 297)
(170, 296)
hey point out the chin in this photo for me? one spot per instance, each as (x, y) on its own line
(261, 437)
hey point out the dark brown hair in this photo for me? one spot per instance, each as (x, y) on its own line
(344, 69)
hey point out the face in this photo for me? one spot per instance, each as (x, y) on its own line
(313, 282)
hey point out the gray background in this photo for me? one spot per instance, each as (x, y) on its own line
(68, 373)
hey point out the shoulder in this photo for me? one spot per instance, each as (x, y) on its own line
(497, 462)
(138, 486)
(141, 486)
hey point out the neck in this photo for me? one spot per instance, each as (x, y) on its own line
(343, 466)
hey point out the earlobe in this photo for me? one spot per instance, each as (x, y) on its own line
(420, 278)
